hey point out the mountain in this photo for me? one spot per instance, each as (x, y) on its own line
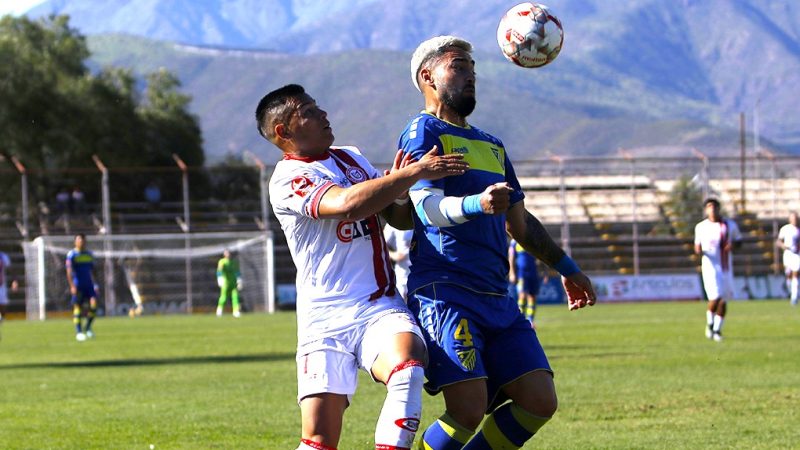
(632, 74)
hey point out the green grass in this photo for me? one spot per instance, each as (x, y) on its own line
(628, 376)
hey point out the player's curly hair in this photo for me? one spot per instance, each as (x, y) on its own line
(276, 107)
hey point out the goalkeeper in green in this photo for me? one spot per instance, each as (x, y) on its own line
(229, 281)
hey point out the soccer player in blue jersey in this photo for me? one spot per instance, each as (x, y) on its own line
(524, 273)
(482, 350)
(80, 263)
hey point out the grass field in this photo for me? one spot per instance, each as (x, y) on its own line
(628, 376)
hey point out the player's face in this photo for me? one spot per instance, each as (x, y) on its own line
(79, 242)
(454, 77)
(793, 219)
(309, 127)
(712, 212)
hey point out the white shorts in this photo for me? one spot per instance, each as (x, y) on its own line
(330, 365)
(3, 295)
(717, 283)
(791, 261)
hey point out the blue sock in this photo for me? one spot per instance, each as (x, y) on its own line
(444, 434)
(509, 426)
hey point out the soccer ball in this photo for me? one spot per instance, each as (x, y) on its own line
(530, 35)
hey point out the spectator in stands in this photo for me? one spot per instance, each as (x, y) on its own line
(789, 241)
(524, 273)
(152, 193)
(482, 350)
(5, 262)
(399, 243)
(80, 265)
(63, 202)
(229, 280)
(715, 238)
(77, 201)
(327, 200)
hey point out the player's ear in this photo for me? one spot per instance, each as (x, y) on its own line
(282, 131)
(426, 78)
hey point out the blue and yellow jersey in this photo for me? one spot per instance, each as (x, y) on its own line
(524, 261)
(81, 264)
(473, 254)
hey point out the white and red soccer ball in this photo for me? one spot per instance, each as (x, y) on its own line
(530, 35)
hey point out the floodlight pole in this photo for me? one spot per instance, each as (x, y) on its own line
(634, 212)
(562, 191)
(24, 186)
(704, 173)
(186, 229)
(742, 162)
(269, 291)
(108, 267)
(773, 188)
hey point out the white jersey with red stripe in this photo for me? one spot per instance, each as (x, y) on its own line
(790, 235)
(710, 236)
(342, 265)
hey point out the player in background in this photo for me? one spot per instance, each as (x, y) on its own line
(524, 273)
(80, 264)
(789, 241)
(229, 280)
(399, 242)
(482, 350)
(5, 262)
(349, 316)
(715, 238)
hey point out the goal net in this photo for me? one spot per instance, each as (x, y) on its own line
(154, 273)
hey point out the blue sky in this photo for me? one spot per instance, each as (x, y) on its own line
(17, 7)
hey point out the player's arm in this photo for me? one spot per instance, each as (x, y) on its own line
(438, 210)
(398, 213)
(372, 196)
(72, 288)
(529, 232)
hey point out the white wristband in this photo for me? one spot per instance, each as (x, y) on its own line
(401, 201)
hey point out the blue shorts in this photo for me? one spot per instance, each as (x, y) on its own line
(529, 284)
(84, 293)
(471, 335)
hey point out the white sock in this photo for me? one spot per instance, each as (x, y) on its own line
(718, 323)
(794, 290)
(709, 318)
(402, 409)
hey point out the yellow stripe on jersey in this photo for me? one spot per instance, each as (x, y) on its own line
(480, 155)
(82, 258)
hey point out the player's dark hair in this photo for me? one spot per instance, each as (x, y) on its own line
(712, 201)
(276, 107)
(80, 235)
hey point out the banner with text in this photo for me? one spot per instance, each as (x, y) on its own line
(627, 288)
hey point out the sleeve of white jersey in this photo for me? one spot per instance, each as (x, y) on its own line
(736, 235)
(298, 191)
(372, 172)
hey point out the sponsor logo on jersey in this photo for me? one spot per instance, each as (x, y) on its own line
(408, 423)
(496, 154)
(301, 186)
(467, 358)
(346, 230)
(460, 150)
(355, 174)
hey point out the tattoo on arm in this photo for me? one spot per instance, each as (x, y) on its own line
(539, 242)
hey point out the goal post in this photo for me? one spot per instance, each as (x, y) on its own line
(160, 273)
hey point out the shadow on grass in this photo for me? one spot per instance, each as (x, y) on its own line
(224, 359)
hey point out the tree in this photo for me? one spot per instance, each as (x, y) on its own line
(55, 114)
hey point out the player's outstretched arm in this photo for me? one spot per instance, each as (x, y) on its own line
(529, 232)
(370, 197)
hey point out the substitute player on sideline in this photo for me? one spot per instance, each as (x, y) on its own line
(789, 241)
(80, 263)
(715, 238)
(482, 350)
(348, 313)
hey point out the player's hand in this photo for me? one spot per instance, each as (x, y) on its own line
(434, 167)
(496, 198)
(14, 286)
(73, 290)
(400, 160)
(238, 283)
(580, 291)
(220, 281)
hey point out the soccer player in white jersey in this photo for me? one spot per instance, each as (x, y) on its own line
(789, 242)
(327, 200)
(714, 239)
